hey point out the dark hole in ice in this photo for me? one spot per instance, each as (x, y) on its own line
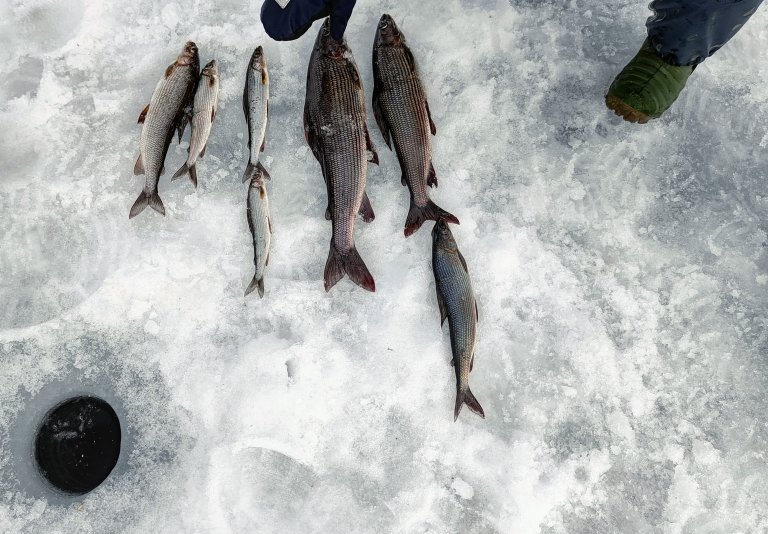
(78, 444)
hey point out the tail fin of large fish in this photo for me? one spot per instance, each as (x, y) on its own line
(351, 263)
(254, 285)
(252, 170)
(191, 169)
(152, 200)
(431, 211)
(466, 397)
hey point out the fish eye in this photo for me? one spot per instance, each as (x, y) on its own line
(383, 25)
(326, 32)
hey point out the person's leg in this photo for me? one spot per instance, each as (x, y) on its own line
(682, 33)
(686, 32)
(286, 21)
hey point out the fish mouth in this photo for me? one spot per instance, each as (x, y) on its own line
(387, 33)
(329, 46)
(188, 56)
(210, 69)
(257, 59)
(190, 47)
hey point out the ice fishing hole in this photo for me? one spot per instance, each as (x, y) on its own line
(78, 444)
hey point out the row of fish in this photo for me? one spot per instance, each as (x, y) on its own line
(183, 95)
(335, 129)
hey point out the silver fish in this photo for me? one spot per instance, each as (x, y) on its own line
(203, 114)
(456, 301)
(402, 113)
(168, 110)
(335, 129)
(260, 224)
(256, 108)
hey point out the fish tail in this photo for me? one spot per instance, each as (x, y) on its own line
(187, 169)
(252, 170)
(263, 171)
(147, 199)
(351, 263)
(431, 211)
(466, 397)
(181, 172)
(256, 284)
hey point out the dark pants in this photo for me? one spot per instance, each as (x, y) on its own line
(686, 32)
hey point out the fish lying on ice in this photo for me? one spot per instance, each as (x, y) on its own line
(168, 111)
(335, 129)
(402, 113)
(256, 109)
(456, 301)
(203, 114)
(260, 224)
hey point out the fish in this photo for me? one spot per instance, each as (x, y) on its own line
(260, 224)
(203, 114)
(256, 109)
(169, 110)
(335, 129)
(402, 113)
(457, 303)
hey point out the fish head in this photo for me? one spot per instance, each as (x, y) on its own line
(387, 33)
(330, 47)
(258, 61)
(211, 70)
(442, 237)
(257, 180)
(188, 55)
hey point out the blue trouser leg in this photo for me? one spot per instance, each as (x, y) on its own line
(292, 19)
(686, 32)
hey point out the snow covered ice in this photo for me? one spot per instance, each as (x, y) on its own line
(621, 272)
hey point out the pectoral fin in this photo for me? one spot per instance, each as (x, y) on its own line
(374, 157)
(463, 263)
(432, 126)
(378, 114)
(139, 167)
(143, 115)
(442, 306)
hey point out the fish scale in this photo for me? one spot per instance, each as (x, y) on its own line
(334, 117)
(402, 114)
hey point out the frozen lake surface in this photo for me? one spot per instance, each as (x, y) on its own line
(621, 273)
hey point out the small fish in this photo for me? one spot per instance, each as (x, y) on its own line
(168, 111)
(335, 129)
(260, 224)
(402, 113)
(203, 114)
(256, 108)
(456, 301)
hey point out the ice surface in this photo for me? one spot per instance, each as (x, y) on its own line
(621, 272)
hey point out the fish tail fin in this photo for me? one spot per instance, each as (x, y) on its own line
(350, 263)
(431, 211)
(466, 397)
(249, 171)
(181, 172)
(263, 171)
(147, 199)
(256, 284)
(187, 169)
